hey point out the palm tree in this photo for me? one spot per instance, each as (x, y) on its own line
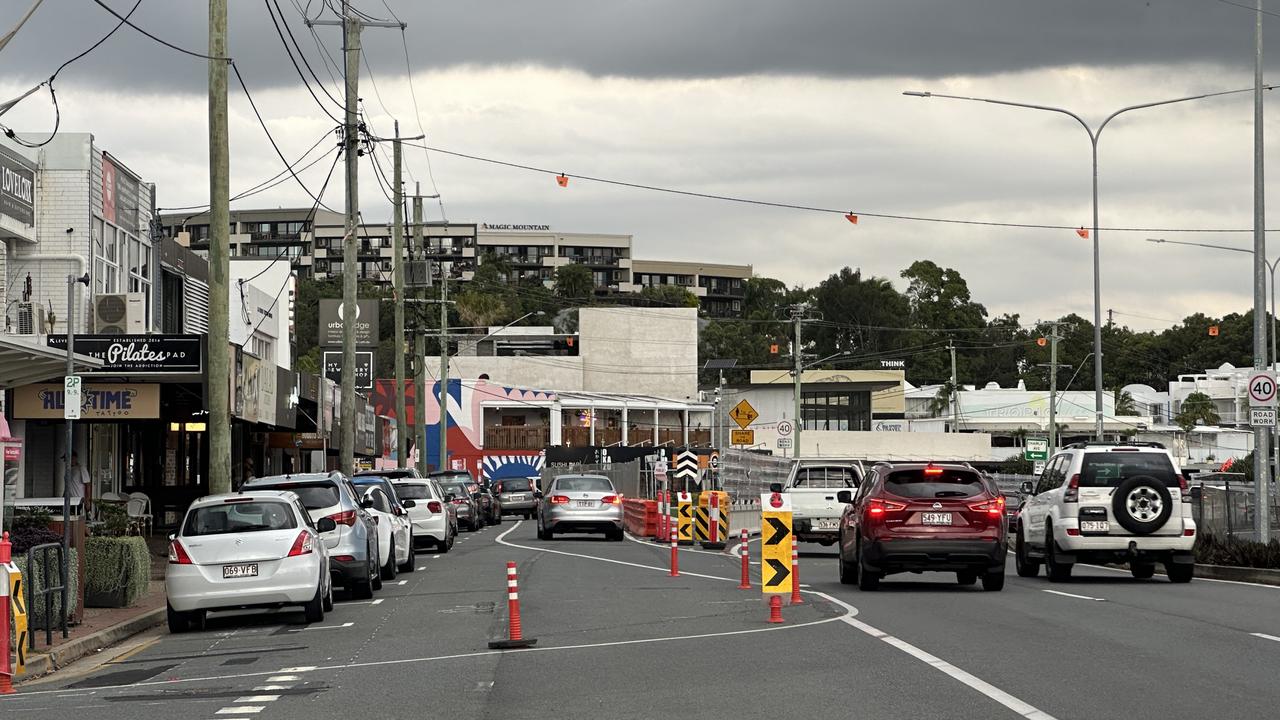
(941, 402)
(1197, 408)
(1125, 406)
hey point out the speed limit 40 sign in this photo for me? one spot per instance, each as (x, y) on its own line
(1262, 389)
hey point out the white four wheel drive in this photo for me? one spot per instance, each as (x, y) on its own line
(1107, 503)
(814, 486)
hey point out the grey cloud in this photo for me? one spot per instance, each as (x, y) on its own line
(658, 38)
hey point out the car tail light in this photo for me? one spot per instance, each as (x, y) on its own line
(346, 517)
(344, 558)
(1072, 493)
(1189, 532)
(435, 506)
(1182, 486)
(877, 507)
(178, 554)
(932, 470)
(993, 507)
(301, 546)
(459, 501)
(1073, 532)
(559, 499)
(611, 500)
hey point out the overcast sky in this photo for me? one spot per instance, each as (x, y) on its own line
(795, 101)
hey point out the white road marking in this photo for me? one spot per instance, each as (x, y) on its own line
(268, 688)
(300, 668)
(282, 678)
(363, 602)
(326, 627)
(433, 557)
(242, 710)
(1198, 579)
(1265, 636)
(378, 601)
(403, 582)
(1073, 595)
(257, 698)
(424, 567)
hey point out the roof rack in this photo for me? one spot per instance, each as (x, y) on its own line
(1109, 443)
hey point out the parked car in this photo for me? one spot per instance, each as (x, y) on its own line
(1107, 503)
(914, 517)
(353, 543)
(814, 487)
(581, 504)
(516, 496)
(405, 473)
(490, 504)
(465, 503)
(434, 521)
(257, 549)
(395, 541)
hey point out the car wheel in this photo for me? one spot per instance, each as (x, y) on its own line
(313, 611)
(363, 589)
(1057, 572)
(328, 598)
(388, 571)
(1142, 504)
(1025, 566)
(993, 581)
(848, 571)
(528, 516)
(867, 579)
(179, 622)
(1179, 572)
(616, 535)
(409, 564)
(966, 577)
(375, 573)
(1142, 571)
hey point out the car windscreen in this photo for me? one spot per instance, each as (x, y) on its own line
(456, 489)
(314, 496)
(584, 484)
(239, 517)
(1112, 468)
(510, 486)
(396, 474)
(925, 483)
(844, 478)
(414, 492)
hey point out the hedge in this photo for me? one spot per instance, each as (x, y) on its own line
(117, 571)
(1212, 550)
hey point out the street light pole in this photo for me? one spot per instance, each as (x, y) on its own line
(1094, 137)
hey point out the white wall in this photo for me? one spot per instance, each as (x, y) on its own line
(539, 373)
(644, 351)
(894, 445)
(268, 290)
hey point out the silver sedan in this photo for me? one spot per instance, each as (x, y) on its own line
(580, 504)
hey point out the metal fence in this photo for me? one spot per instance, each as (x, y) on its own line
(1227, 505)
(744, 475)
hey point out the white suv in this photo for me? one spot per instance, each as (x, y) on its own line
(1107, 503)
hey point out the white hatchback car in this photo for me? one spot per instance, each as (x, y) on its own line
(255, 549)
(434, 520)
(395, 542)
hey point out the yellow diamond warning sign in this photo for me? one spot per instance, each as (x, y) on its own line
(743, 414)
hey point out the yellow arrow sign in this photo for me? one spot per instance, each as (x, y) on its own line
(775, 543)
(743, 414)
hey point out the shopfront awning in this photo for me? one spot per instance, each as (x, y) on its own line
(24, 361)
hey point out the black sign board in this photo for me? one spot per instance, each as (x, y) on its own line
(139, 354)
(364, 368)
(17, 188)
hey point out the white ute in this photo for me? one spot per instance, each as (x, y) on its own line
(813, 485)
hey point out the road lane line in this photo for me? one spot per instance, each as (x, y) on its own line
(1072, 595)
(324, 627)
(257, 698)
(1265, 636)
(269, 688)
(403, 582)
(1197, 579)
(433, 557)
(242, 710)
(424, 567)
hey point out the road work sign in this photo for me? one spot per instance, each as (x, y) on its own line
(775, 544)
(1262, 389)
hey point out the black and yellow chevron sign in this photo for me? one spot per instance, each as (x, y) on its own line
(775, 543)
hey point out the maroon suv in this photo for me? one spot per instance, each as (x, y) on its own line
(915, 516)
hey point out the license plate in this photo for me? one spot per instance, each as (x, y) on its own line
(1094, 526)
(514, 498)
(584, 503)
(935, 518)
(826, 524)
(240, 571)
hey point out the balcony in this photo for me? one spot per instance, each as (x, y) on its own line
(575, 436)
(517, 437)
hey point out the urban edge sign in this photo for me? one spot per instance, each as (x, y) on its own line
(139, 354)
(331, 323)
(17, 189)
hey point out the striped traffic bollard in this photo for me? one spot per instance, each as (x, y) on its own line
(713, 522)
(515, 632)
(795, 572)
(775, 609)
(6, 672)
(675, 553)
(664, 519)
(746, 564)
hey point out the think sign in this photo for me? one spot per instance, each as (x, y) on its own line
(71, 387)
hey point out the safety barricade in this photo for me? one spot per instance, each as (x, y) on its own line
(640, 516)
(711, 519)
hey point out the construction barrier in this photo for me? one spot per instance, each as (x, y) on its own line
(684, 518)
(12, 609)
(711, 521)
(640, 517)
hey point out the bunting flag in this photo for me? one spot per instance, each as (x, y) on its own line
(562, 180)
(1083, 233)
(851, 218)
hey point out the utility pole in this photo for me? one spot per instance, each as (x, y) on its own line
(397, 278)
(1261, 456)
(955, 391)
(1054, 337)
(797, 317)
(444, 365)
(217, 386)
(420, 347)
(351, 29)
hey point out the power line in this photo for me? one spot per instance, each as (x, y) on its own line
(125, 20)
(417, 116)
(294, 62)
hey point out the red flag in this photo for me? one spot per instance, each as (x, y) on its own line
(851, 218)
(563, 180)
(1083, 233)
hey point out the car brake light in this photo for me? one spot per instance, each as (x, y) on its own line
(1182, 486)
(178, 554)
(435, 506)
(1189, 532)
(993, 507)
(932, 470)
(459, 501)
(301, 546)
(877, 507)
(1073, 532)
(559, 499)
(611, 500)
(1073, 490)
(346, 517)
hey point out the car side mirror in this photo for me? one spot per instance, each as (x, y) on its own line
(1027, 488)
(173, 536)
(326, 524)
(845, 496)
(775, 487)
(406, 504)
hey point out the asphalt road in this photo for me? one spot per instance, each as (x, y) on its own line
(619, 638)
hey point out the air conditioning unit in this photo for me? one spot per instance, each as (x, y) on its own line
(120, 314)
(31, 318)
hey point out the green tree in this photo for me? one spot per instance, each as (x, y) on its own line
(667, 296)
(861, 317)
(575, 283)
(941, 401)
(1196, 408)
(1125, 406)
